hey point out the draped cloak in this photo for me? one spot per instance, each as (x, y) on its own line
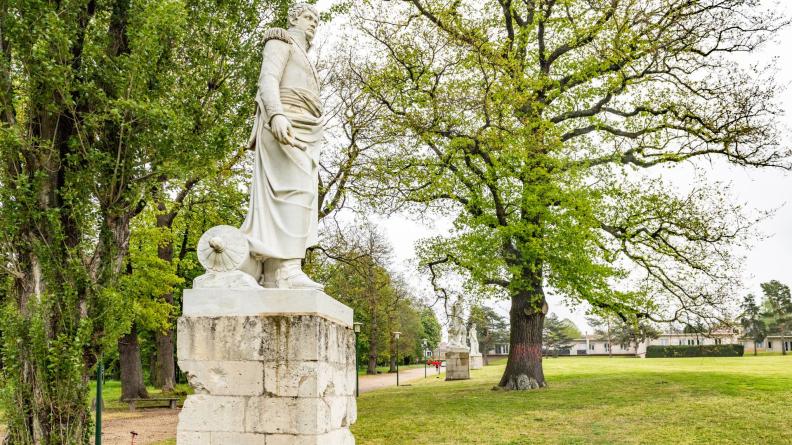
(283, 210)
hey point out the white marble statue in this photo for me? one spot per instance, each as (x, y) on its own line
(456, 327)
(287, 136)
(473, 337)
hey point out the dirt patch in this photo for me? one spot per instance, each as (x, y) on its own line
(151, 426)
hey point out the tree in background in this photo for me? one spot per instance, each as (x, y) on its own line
(530, 123)
(751, 320)
(779, 314)
(571, 328)
(603, 328)
(556, 335)
(353, 265)
(491, 328)
(432, 331)
(633, 332)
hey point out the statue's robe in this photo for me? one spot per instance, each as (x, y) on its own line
(282, 218)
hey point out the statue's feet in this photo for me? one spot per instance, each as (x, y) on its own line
(287, 274)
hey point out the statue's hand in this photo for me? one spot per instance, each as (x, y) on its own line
(284, 133)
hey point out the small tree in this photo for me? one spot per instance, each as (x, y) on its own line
(555, 335)
(491, 328)
(634, 332)
(751, 320)
(602, 326)
(432, 331)
(779, 315)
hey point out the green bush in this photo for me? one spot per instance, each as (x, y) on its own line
(695, 351)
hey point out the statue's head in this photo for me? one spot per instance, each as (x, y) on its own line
(305, 17)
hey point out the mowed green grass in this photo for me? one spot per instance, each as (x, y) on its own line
(592, 400)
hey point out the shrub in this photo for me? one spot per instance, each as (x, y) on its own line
(656, 351)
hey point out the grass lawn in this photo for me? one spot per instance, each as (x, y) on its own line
(592, 400)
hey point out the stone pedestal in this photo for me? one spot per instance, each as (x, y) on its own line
(269, 367)
(457, 364)
(476, 361)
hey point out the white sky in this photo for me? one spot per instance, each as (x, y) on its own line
(770, 258)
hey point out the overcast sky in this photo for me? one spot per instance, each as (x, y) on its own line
(770, 258)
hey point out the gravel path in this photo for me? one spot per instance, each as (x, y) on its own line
(379, 381)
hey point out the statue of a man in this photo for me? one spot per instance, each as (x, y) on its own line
(473, 337)
(456, 326)
(287, 136)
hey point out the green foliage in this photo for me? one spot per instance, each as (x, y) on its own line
(431, 329)
(555, 335)
(530, 124)
(778, 301)
(101, 105)
(754, 326)
(492, 327)
(656, 351)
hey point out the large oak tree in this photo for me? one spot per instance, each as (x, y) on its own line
(540, 125)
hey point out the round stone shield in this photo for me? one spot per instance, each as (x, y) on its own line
(223, 249)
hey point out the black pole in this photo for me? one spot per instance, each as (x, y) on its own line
(99, 402)
(357, 371)
(397, 362)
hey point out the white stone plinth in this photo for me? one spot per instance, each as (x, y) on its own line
(268, 367)
(457, 364)
(476, 361)
(217, 301)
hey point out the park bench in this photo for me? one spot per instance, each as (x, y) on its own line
(172, 401)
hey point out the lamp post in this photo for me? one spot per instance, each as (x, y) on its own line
(356, 327)
(99, 401)
(423, 344)
(396, 337)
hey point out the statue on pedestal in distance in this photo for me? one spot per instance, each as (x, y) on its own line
(456, 327)
(474, 343)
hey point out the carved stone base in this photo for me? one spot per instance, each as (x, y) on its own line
(457, 364)
(268, 366)
(476, 361)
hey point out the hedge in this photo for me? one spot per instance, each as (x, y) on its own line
(656, 351)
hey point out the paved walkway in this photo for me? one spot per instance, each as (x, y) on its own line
(379, 381)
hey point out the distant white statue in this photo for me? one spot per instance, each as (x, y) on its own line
(456, 327)
(473, 337)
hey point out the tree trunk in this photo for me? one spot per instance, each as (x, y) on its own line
(393, 357)
(132, 385)
(524, 366)
(166, 367)
(754, 347)
(783, 340)
(373, 345)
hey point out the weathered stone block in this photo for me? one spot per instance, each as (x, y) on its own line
(287, 415)
(202, 412)
(308, 379)
(222, 338)
(225, 378)
(457, 364)
(193, 438)
(307, 338)
(239, 439)
(476, 361)
(337, 437)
